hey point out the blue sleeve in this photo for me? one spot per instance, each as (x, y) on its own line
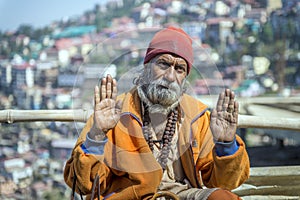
(226, 148)
(91, 146)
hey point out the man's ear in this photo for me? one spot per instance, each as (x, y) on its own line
(185, 85)
(143, 77)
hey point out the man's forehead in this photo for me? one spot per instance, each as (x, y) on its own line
(171, 57)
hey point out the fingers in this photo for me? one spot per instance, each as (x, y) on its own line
(231, 101)
(226, 101)
(108, 88)
(236, 110)
(103, 89)
(114, 89)
(96, 95)
(220, 102)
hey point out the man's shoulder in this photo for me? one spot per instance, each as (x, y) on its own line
(129, 94)
(121, 96)
(192, 105)
(191, 99)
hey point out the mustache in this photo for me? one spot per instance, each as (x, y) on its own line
(163, 92)
(164, 84)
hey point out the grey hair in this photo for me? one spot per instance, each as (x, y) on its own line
(144, 76)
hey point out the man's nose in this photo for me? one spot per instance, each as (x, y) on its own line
(171, 74)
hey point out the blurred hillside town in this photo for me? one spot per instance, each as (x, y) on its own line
(253, 44)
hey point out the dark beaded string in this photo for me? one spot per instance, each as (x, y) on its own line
(165, 142)
(146, 129)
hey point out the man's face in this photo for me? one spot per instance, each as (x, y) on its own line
(167, 75)
(169, 67)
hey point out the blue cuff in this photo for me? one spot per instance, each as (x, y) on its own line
(91, 146)
(226, 148)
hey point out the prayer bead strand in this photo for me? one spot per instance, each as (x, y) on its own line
(166, 138)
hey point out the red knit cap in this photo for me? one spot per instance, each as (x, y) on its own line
(171, 40)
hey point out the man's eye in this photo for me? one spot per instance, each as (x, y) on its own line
(164, 64)
(180, 69)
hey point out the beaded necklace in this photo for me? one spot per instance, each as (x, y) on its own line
(165, 142)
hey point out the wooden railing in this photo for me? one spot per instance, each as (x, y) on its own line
(79, 115)
(278, 182)
(281, 182)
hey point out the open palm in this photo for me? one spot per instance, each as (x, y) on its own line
(106, 109)
(224, 117)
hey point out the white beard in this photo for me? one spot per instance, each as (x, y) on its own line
(160, 96)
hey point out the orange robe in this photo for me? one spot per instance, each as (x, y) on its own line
(128, 169)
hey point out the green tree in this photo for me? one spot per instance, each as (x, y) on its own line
(267, 35)
(54, 195)
(25, 29)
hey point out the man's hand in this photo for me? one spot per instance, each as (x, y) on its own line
(106, 109)
(224, 118)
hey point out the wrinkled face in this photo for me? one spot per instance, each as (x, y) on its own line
(167, 76)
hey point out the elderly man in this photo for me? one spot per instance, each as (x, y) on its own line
(157, 138)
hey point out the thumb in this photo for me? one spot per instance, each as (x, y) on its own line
(213, 114)
(119, 104)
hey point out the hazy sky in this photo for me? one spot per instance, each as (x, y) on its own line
(39, 13)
